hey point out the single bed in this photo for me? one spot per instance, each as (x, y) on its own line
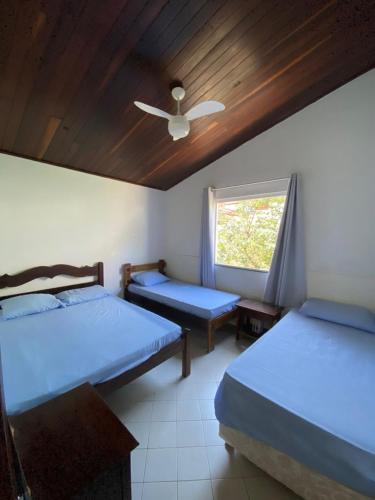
(182, 301)
(106, 341)
(300, 403)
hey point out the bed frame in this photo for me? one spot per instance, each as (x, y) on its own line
(304, 481)
(11, 484)
(41, 272)
(210, 325)
(96, 271)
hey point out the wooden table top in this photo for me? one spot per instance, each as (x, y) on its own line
(259, 307)
(68, 442)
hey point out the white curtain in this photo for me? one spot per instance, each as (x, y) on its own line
(207, 256)
(286, 284)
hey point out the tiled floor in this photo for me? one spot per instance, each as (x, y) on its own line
(180, 455)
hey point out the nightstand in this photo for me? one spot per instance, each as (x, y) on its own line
(253, 309)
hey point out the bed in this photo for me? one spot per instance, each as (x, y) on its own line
(184, 302)
(105, 341)
(300, 404)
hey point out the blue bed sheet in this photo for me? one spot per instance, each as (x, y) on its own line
(49, 353)
(202, 302)
(307, 389)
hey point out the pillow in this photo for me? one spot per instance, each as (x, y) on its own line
(32, 303)
(344, 314)
(85, 294)
(149, 278)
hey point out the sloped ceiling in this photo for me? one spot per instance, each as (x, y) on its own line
(70, 71)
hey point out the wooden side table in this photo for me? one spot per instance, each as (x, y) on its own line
(256, 310)
(74, 447)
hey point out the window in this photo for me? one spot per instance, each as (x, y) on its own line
(247, 229)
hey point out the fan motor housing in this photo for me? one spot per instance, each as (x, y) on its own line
(178, 93)
(178, 126)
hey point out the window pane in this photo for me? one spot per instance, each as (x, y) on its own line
(246, 231)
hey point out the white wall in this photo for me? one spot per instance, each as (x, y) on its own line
(50, 215)
(332, 144)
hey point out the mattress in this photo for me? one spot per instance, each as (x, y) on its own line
(47, 354)
(306, 388)
(193, 299)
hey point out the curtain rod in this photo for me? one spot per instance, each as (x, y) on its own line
(251, 183)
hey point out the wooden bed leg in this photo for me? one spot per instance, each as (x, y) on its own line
(186, 358)
(210, 337)
(239, 324)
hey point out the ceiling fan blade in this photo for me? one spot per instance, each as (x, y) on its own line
(203, 109)
(152, 110)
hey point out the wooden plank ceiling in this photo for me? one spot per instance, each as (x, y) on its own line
(70, 71)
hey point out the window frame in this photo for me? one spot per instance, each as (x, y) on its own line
(248, 192)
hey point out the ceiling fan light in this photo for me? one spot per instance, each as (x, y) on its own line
(178, 127)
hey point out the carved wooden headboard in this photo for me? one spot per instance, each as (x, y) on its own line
(10, 281)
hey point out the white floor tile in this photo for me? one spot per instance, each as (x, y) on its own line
(225, 489)
(160, 491)
(140, 431)
(137, 412)
(195, 490)
(161, 465)
(190, 433)
(175, 419)
(167, 372)
(207, 408)
(211, 433)
(138, 462)
(164, 411)
(188, 410)
(202, 390)
(264, 488)
(225, 464)
(192, 464)
(167, 393)
(137, 489)
(140, 390)
(136, 391)
(162, 435)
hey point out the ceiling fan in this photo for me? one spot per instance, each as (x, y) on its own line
(178, 124)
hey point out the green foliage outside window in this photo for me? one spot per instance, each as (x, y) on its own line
(246, 231)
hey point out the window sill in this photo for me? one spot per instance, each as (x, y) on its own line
(242, 268)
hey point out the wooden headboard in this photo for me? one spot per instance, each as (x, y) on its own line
(96, 271)
(129, 268)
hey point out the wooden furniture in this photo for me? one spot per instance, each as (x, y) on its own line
(74, 446)
(253, 309)
(10, 281)
(10, 476)
(210, 325)
(71, 71)
(181, 345)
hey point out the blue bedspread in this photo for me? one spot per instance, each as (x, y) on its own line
(202, 302)
(49, 353)
(307, 389)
